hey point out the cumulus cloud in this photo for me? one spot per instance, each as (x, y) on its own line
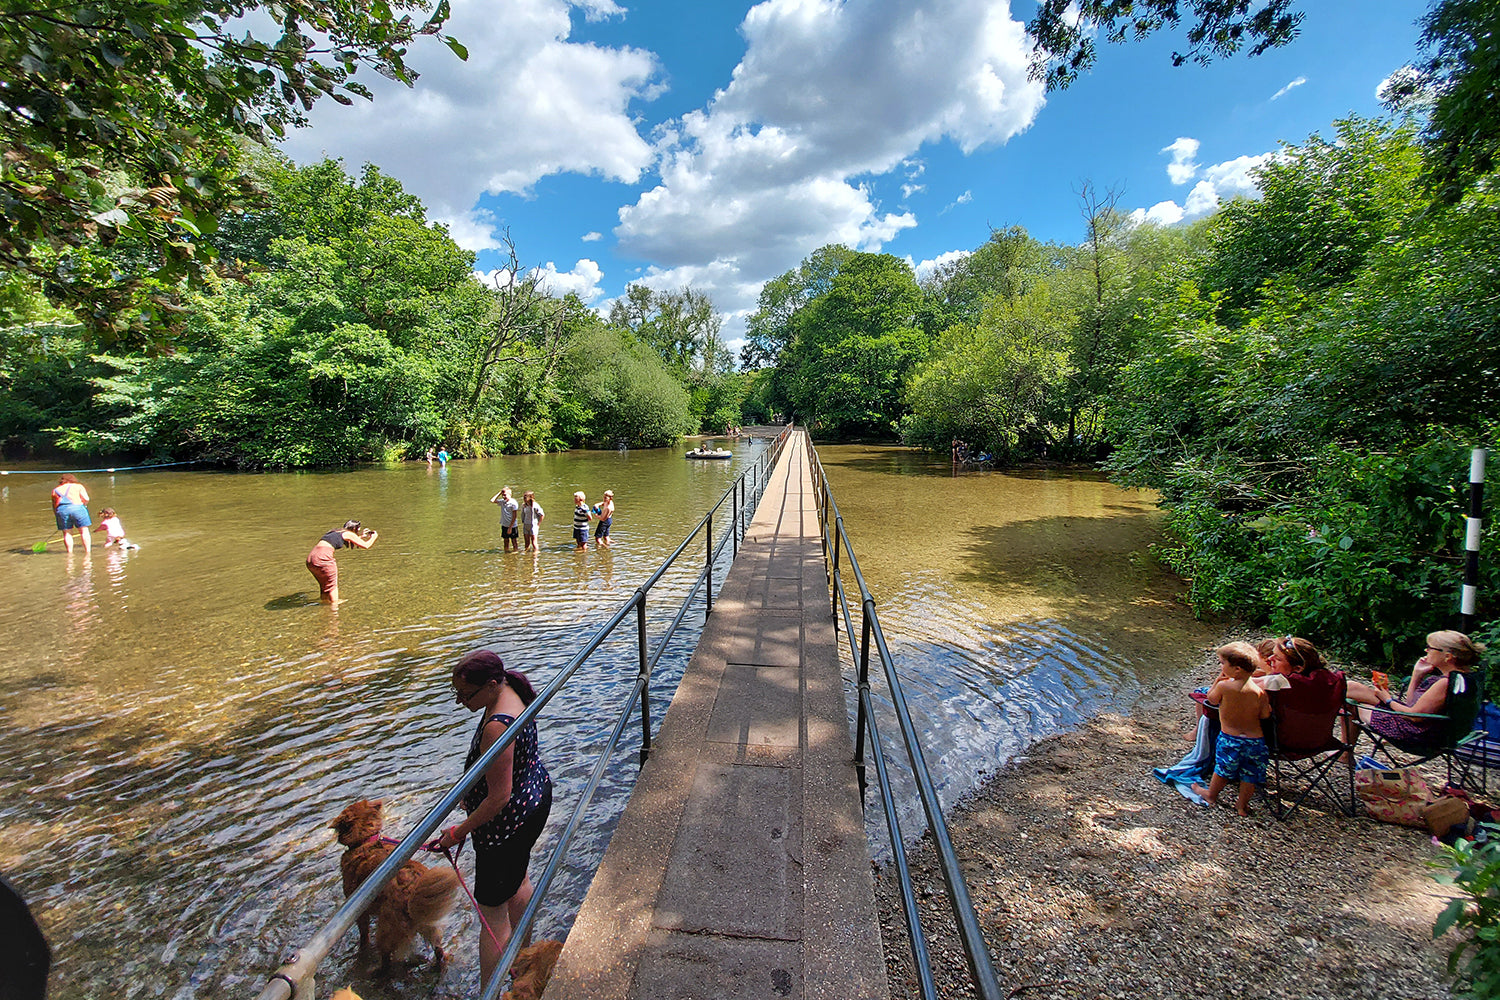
(583, 279)
(592, 237)
(1221, 182)
(827, 93)
(1289, 88)
(927, 268)
(1184, 160)
(1163, 213)
(526, 104)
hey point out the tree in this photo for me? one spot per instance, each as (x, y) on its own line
(1457, 82)
(1064, 30)
(122, 124)
(1008, 265)
(769, 330)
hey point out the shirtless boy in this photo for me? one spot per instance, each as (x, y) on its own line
(1240, 754)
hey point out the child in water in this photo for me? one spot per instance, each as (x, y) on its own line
(114, 532)
(1240, 755)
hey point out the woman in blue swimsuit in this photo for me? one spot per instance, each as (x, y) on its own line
(508, 807)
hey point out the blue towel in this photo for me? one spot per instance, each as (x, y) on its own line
(1197, 766)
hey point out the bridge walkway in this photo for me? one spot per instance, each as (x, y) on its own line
(739, 868)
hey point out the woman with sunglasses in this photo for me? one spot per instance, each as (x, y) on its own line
(1448, 654)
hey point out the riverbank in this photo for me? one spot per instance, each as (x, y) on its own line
(1093, 879)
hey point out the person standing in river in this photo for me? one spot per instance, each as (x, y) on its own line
(70, 507)
(508, 807)
(581, 517)
(323, 567)
(606, 513)
(510, 531)
(531, 520)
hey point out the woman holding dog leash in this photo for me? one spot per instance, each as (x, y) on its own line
(507, 807)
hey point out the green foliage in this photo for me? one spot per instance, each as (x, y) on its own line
(629, 394)
(123, 122)
(1474, 869)
(1455, 84)
(1064, 30)
(990, 384)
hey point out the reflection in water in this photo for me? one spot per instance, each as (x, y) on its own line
(1016, 604)
(179, 724)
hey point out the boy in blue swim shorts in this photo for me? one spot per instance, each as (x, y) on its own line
(1240, 753)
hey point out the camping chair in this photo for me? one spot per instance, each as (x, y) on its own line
(1454, 739)
(1305, 755)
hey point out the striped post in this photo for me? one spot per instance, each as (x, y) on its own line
(1471, 541)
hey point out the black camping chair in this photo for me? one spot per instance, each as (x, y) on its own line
(1452, 738)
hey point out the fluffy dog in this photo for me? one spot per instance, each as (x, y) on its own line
(413, 902)
(531, 970)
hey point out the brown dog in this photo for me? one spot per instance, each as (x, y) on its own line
(413, 902)
(531, 970)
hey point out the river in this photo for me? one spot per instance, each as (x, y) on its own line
(179, 723)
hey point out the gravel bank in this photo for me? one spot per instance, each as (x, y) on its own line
(1093, 879)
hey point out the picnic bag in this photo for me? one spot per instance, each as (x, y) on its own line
(1444, 813)
(1393, 796)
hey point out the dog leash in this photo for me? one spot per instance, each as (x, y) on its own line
(452, 855)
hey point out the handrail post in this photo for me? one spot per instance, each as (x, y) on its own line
(708, 567)
(864, 683)
(735, 532)
(645, 671)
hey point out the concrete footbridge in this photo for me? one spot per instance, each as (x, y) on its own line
(739, 867)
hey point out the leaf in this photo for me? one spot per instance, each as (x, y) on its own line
(111, 56)
(457, 47)
(1448, 917)
(1346, 543)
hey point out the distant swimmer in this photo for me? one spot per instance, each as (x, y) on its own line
(323, 567)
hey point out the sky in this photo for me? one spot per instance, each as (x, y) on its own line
(714, 145)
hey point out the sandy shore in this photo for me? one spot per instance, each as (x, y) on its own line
(1093, 879)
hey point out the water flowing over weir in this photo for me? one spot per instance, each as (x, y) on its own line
(187, 725)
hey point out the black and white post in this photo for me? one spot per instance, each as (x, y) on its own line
(1471, 541)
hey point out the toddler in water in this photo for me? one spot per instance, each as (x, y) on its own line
(114, 532)
(1240, 754)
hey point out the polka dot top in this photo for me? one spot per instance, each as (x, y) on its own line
(528, 784)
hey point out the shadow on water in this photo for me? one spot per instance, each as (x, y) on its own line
(290, 602)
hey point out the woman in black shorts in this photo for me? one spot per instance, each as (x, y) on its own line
(507, 807)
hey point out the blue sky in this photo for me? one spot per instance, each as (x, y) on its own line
(715, 145)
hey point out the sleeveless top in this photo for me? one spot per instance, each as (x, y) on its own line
(529, 782)
(335, 538)
(69, 494)
(1396, 726)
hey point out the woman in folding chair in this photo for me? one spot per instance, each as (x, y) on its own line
(1418, 716)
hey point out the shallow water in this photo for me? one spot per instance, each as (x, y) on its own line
(178, 724)
(1015, 604)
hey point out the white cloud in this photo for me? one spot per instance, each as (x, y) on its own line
(907, 190)
(962, 199)
(1289, 88)
(1184, 164)
(584, 279)
(526, 104)
(928, 268)
(592, 237)
(827, 93)
(1221, 182)
(1163, 213)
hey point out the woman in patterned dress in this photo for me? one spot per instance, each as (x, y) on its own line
(507, 807)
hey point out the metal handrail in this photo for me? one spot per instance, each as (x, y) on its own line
(836, 546)
(294, 979)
